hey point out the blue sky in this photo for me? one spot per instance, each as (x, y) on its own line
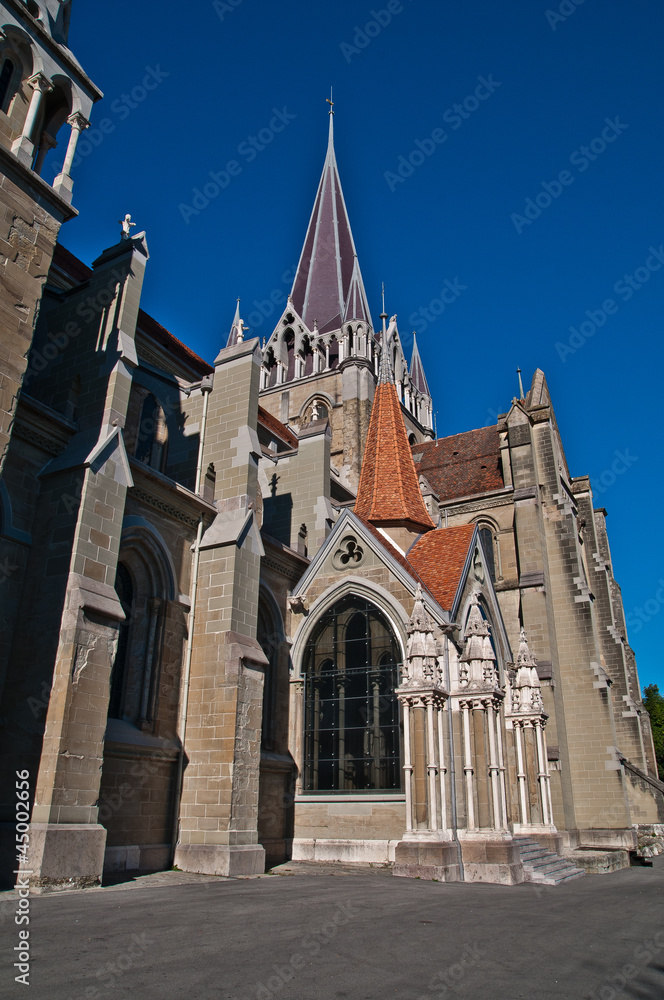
(540, 198)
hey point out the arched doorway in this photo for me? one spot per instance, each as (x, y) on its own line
(277, 768)
(137, 794)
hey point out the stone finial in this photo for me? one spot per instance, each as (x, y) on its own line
(524, 657)
(421, 667)
(525, 687)
(419, 620)
(477, 663)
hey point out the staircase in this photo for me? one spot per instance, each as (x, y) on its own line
(543, 867)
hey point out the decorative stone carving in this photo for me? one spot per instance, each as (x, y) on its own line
(477, 664)
(525, 693)
(350, 553)
(299, 605)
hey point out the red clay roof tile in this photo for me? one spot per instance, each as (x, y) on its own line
(439, 558)
(463, 464)
(276, 427)
(389, 491)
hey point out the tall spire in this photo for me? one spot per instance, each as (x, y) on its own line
(417, 375)
(389, 491)
(328, 283)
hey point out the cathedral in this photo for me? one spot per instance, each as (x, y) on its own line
(255, 610)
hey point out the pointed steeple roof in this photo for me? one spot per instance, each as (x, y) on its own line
(389, 492)
(356, 299)
(237, 329)
(328, 278)
(417, 375)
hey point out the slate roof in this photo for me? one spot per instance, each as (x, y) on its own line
(328, 272)
(461, 465)
(439, 557)
(417, 370)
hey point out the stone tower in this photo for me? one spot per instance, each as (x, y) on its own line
(45, 100)
(322, 358)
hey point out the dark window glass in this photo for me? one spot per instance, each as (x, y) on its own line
(352, 736)
(486, 534)
(125, 591)
(6, 74)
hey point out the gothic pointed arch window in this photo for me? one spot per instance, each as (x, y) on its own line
(352, 736)
(152, 436)
(489, 538)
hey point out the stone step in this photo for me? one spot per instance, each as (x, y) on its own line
(543, 866)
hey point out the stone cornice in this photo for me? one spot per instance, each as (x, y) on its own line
(167, 496)
(42, 426)
(41, 190)
(283, 560)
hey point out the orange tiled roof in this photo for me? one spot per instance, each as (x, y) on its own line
(439, 558)
(396, 555)
(389, 491)
(276, 427)
(463, 464)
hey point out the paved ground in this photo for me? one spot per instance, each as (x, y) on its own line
(362, 936)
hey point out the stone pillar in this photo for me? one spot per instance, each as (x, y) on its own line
(219, 806)
(23, 147)
(63, 183)
(425, 851)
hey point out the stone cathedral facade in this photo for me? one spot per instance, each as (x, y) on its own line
(253, 610)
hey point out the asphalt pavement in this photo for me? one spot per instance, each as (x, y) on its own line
(364, 936)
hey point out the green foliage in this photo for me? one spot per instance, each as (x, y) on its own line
(654, 702)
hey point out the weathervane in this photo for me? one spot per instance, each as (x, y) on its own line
(330, 102)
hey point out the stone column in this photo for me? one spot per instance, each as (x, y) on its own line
(520, 773)
(63, 183)
(468, 769)
(24, 147)
(407, 766)
(494, 768)
(46, 144)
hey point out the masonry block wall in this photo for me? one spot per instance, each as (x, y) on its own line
(78, 504)
(218, 819)
(30, 218)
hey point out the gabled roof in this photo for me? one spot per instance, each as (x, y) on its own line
(356, 299)
(417, 375)
(463, 464)
(389, 491)
(276, 428)
(439, 557)
(328, 264)
(394, 560)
